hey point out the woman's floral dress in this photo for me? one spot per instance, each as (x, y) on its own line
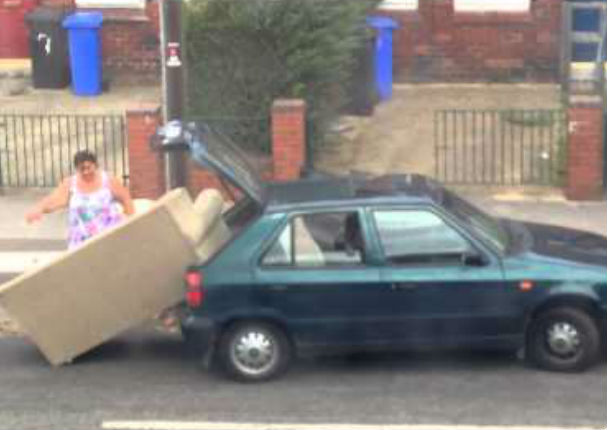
(91, 213)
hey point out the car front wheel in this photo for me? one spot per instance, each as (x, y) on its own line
(254, 351)
(563, 339)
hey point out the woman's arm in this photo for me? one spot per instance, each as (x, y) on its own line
(57, 199)
(122, 194)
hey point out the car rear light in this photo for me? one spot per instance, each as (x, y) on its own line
(195, 292)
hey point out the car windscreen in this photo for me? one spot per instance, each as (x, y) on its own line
(483, 224)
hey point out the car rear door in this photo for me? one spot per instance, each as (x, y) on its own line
(315, 274)
(446, 288)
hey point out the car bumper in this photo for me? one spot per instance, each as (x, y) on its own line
(199, 333)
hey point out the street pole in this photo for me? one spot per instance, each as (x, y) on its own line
(173, 78)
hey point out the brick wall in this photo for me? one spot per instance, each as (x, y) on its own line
(585, 154)
(147, 167)
(130, 39)
(435, 43)
(288, 139)
(131, 42)
(66, 4)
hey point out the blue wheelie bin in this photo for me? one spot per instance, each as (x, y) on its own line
(383, 54)
(85, 51)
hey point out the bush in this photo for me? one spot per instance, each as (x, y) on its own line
(243, 54)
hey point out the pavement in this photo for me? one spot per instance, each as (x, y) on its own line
(23, 246)
(18, 95)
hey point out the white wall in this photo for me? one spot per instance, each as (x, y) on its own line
(399, 4)
(491, 5)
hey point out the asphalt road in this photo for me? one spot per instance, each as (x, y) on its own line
(148, 375)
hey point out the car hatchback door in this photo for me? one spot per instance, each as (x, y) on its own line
(315, 275)
(446, 287)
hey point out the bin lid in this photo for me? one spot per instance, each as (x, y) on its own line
(381, 22)
(83, 20)
(45, 14)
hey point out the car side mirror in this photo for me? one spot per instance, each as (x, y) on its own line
(473, 259)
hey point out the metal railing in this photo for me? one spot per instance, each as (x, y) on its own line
(500, 147)
(37, 150)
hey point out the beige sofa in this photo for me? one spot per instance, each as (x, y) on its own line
(118, 279)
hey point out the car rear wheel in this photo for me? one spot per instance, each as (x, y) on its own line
(254, 351)
(563, 339)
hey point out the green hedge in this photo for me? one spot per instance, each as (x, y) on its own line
(243, 54)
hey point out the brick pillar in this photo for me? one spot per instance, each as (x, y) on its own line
(146, 167)
(585, 153)
(288, 139)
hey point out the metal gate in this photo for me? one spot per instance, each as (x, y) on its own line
(500, 147)
(37, 150)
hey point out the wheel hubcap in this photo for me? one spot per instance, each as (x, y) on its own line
(253, 352)
(563, 339)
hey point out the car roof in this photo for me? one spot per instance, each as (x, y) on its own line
(355, 189)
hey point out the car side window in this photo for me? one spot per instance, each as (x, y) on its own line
(281, 251)
(419, 237)
(318, 240)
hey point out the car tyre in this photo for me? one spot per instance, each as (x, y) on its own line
(564, 340)
(253, 351)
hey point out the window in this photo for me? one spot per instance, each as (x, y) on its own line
(419, 237)
(491, 5)
(485, 226)
(280, 253)
(111, 4)
(318, 240)
(399, 4)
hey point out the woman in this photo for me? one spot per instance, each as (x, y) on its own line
(90, 196)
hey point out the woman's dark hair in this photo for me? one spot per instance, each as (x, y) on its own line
(84, 156)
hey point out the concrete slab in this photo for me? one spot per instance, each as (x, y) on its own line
(116, 100)
(15, 66)
(15, 203)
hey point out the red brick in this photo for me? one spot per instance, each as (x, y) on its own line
(123, 47)
(146, 167)
(469, 40)
(288, 138)
(585, 160)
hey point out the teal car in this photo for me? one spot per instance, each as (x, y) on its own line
(356, 263)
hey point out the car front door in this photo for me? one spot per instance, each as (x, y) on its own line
(446, 288)
(316, 276)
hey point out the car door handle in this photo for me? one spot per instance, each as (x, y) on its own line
(404, 286)
(278, 288)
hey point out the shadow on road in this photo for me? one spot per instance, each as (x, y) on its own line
(162, 350)
(418, 361)
(139, 344)
(423, 362)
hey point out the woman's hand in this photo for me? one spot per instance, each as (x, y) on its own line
(58, 199)
(122, 194)
(33, 216)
